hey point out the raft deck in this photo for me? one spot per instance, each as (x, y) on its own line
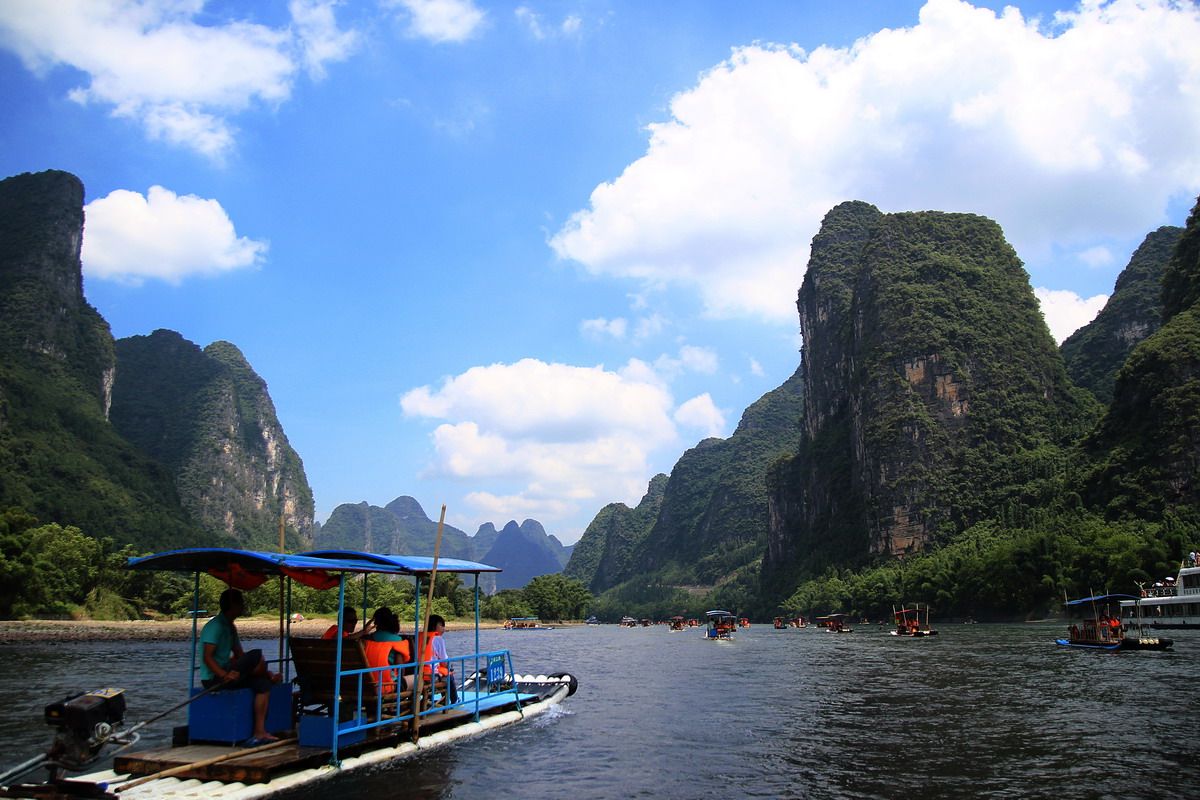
(262, 766)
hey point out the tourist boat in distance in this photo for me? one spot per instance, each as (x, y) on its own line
(780, 623)
(1175, 603)
(720, 626)
(834, 623)
(743, 623)
(526, 624)
(675, 623)
(592, 621)
(340, 721)
(908, 622)
(1099, 631)
(693, 623)
(628, 622)
(799, 622)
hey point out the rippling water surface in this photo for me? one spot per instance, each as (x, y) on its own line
(979, 710)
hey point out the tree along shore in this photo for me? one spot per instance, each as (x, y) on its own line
(70, 630)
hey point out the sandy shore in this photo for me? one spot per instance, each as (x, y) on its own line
(41, 630)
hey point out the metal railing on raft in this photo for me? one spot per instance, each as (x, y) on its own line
(480, 693)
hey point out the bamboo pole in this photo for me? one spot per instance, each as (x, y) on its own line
(173, 771)
(282, 611)
(418, 693)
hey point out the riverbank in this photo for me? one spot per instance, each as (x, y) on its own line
(70, 630)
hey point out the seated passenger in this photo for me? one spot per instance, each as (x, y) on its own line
(350, 617)
(385, 647)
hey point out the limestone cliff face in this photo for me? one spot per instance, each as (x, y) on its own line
(208, 416)
(1095, 352)
(1146, 450)
(609, 551)
(60, 458)
(41, 284)
(931, 383)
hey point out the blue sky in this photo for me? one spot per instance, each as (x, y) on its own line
(516, 258)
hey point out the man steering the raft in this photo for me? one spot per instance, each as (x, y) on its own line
(224, 665)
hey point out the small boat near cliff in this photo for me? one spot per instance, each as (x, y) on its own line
(1100, 631)
(526, 624)
(336, 715)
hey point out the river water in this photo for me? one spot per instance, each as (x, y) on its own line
(977, 711)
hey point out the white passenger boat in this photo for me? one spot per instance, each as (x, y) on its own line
(324, 681)
(1175, 604)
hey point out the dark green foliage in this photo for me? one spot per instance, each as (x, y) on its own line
(556, 597)
(606, 554)
(1181, 279)
(1095, 352)
(941, 398)
(60, 459)
(207, 416)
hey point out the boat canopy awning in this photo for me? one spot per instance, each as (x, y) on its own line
(203, 559)
(1082, 600)
(407, 565)
(719, 613)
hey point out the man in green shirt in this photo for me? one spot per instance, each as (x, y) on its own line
(224, 664)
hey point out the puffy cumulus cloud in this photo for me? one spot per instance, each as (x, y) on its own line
(565, 436)
(1067, 312)
(441, 20)
(156, 62)
(690, 359)
(1065, 132)
(702, 414)
(129, 237)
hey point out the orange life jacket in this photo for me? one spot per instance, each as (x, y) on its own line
(378, 655)
(428, 656)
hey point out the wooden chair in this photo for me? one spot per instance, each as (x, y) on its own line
(315, 661)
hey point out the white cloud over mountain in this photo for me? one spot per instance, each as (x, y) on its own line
(1065, 132)
(130, 237)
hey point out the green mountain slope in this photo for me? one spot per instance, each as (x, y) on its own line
(60, 459)
(1095, 352)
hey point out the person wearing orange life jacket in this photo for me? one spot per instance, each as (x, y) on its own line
(386, 647)
(434, 649)
(350, 618)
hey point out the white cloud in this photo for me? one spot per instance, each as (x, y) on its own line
(564, 436)
(1097, 257)
(570, 26)
(1067, 312)
(129, 237)
(691, 358)
(1064, 134)
(701, 413)
(442, 20)
(756, 368)
(600, 328)
(156, 63)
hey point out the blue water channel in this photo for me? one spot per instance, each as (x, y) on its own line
(977, 711)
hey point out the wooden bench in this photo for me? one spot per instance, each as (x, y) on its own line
(315, 661)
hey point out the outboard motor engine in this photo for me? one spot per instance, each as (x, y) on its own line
(84, 724)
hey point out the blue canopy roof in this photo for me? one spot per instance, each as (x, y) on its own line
(719, 613)
(409, 565)
(1101, 597)
(205, 558)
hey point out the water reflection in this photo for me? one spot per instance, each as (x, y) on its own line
(980, 710)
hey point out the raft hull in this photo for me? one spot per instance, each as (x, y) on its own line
(311, 765)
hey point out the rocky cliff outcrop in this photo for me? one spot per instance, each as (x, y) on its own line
(610, 549)
(1095, 352)
(523, 551)
(1146, 450)
(60, 459)
(209, 418)
(933, 391)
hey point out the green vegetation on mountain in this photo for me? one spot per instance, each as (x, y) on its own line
(60, 459)
(1095, 352)
(207, 416)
